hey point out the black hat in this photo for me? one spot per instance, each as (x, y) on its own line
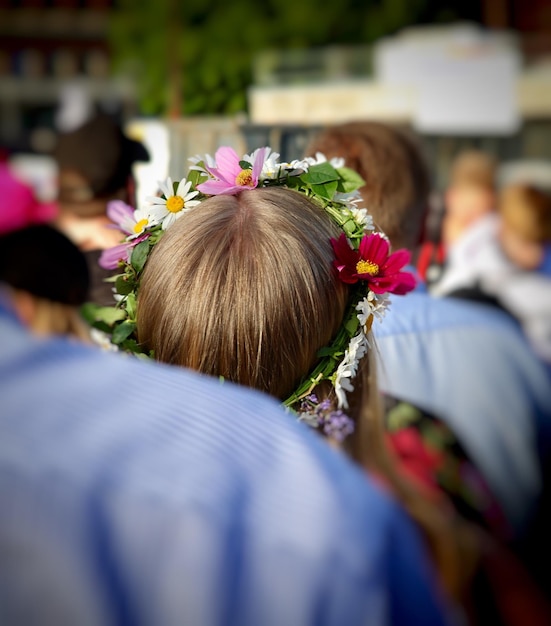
(41, 260)
(101, 153)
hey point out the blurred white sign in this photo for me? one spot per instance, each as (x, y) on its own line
(465, 79)
(471, 96)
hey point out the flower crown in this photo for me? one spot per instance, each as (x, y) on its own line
(362, 259)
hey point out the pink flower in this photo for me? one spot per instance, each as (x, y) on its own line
(230, 176)
(110, 258)
(373, 263)
(122, 215)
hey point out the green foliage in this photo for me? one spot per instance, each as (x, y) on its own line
(139, 256)
(199, 54)
(94, 314)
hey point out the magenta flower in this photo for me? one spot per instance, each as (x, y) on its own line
(230, 176)
(110, 258)
(373, 263)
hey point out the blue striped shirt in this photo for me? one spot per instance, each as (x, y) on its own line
(137, 493)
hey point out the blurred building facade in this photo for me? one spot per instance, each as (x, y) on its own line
(44, 46)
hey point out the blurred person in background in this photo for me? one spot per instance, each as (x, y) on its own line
(470, 195)
(469, 221)
(136, 493)
(467, 200)
(510, 265)
(47, 276)
(466, 363)
(94, 163)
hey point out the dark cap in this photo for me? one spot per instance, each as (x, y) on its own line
(101, 153)
(41, 260)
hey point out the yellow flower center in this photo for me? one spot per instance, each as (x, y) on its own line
(244, 179)
(367, 267)
(175, 204)
(139, 226)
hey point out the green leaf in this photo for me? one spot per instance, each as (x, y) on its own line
(320, 173)
(122, 332)
(352, 325)
(111, 279)
(155, 234)
(352, 229)
(294, 182)
(109, 314)
(327, 351)
(349, 180)
(196, 177)
(123, 285)
(329, 368)
(131, 306)
(131, 345)
(139, 255)
(326, 190)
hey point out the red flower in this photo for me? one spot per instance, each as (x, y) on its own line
(415, 456)
(373, 263)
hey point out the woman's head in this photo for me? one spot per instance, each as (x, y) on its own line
(263, 273)
(244, 288)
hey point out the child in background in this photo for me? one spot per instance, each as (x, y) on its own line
(511, 265)
(525, 232)
(470, 194)
(46, 274)
(523, 284)
(470, 218)
(95, 165)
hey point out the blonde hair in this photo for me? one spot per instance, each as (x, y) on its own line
(474, 168)
(527, 210)
(244, 289)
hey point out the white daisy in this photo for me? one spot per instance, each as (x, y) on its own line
(362, 218)
(350, 198)
(336, 162)
(307, 162)
(348, 367)
(379, 303)
(136, 224)
(342, 385)
(207, 159)
(271, 165)
(102, 340)
(372, 305)
(173, 204)
(364, 311)
(357, 349)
